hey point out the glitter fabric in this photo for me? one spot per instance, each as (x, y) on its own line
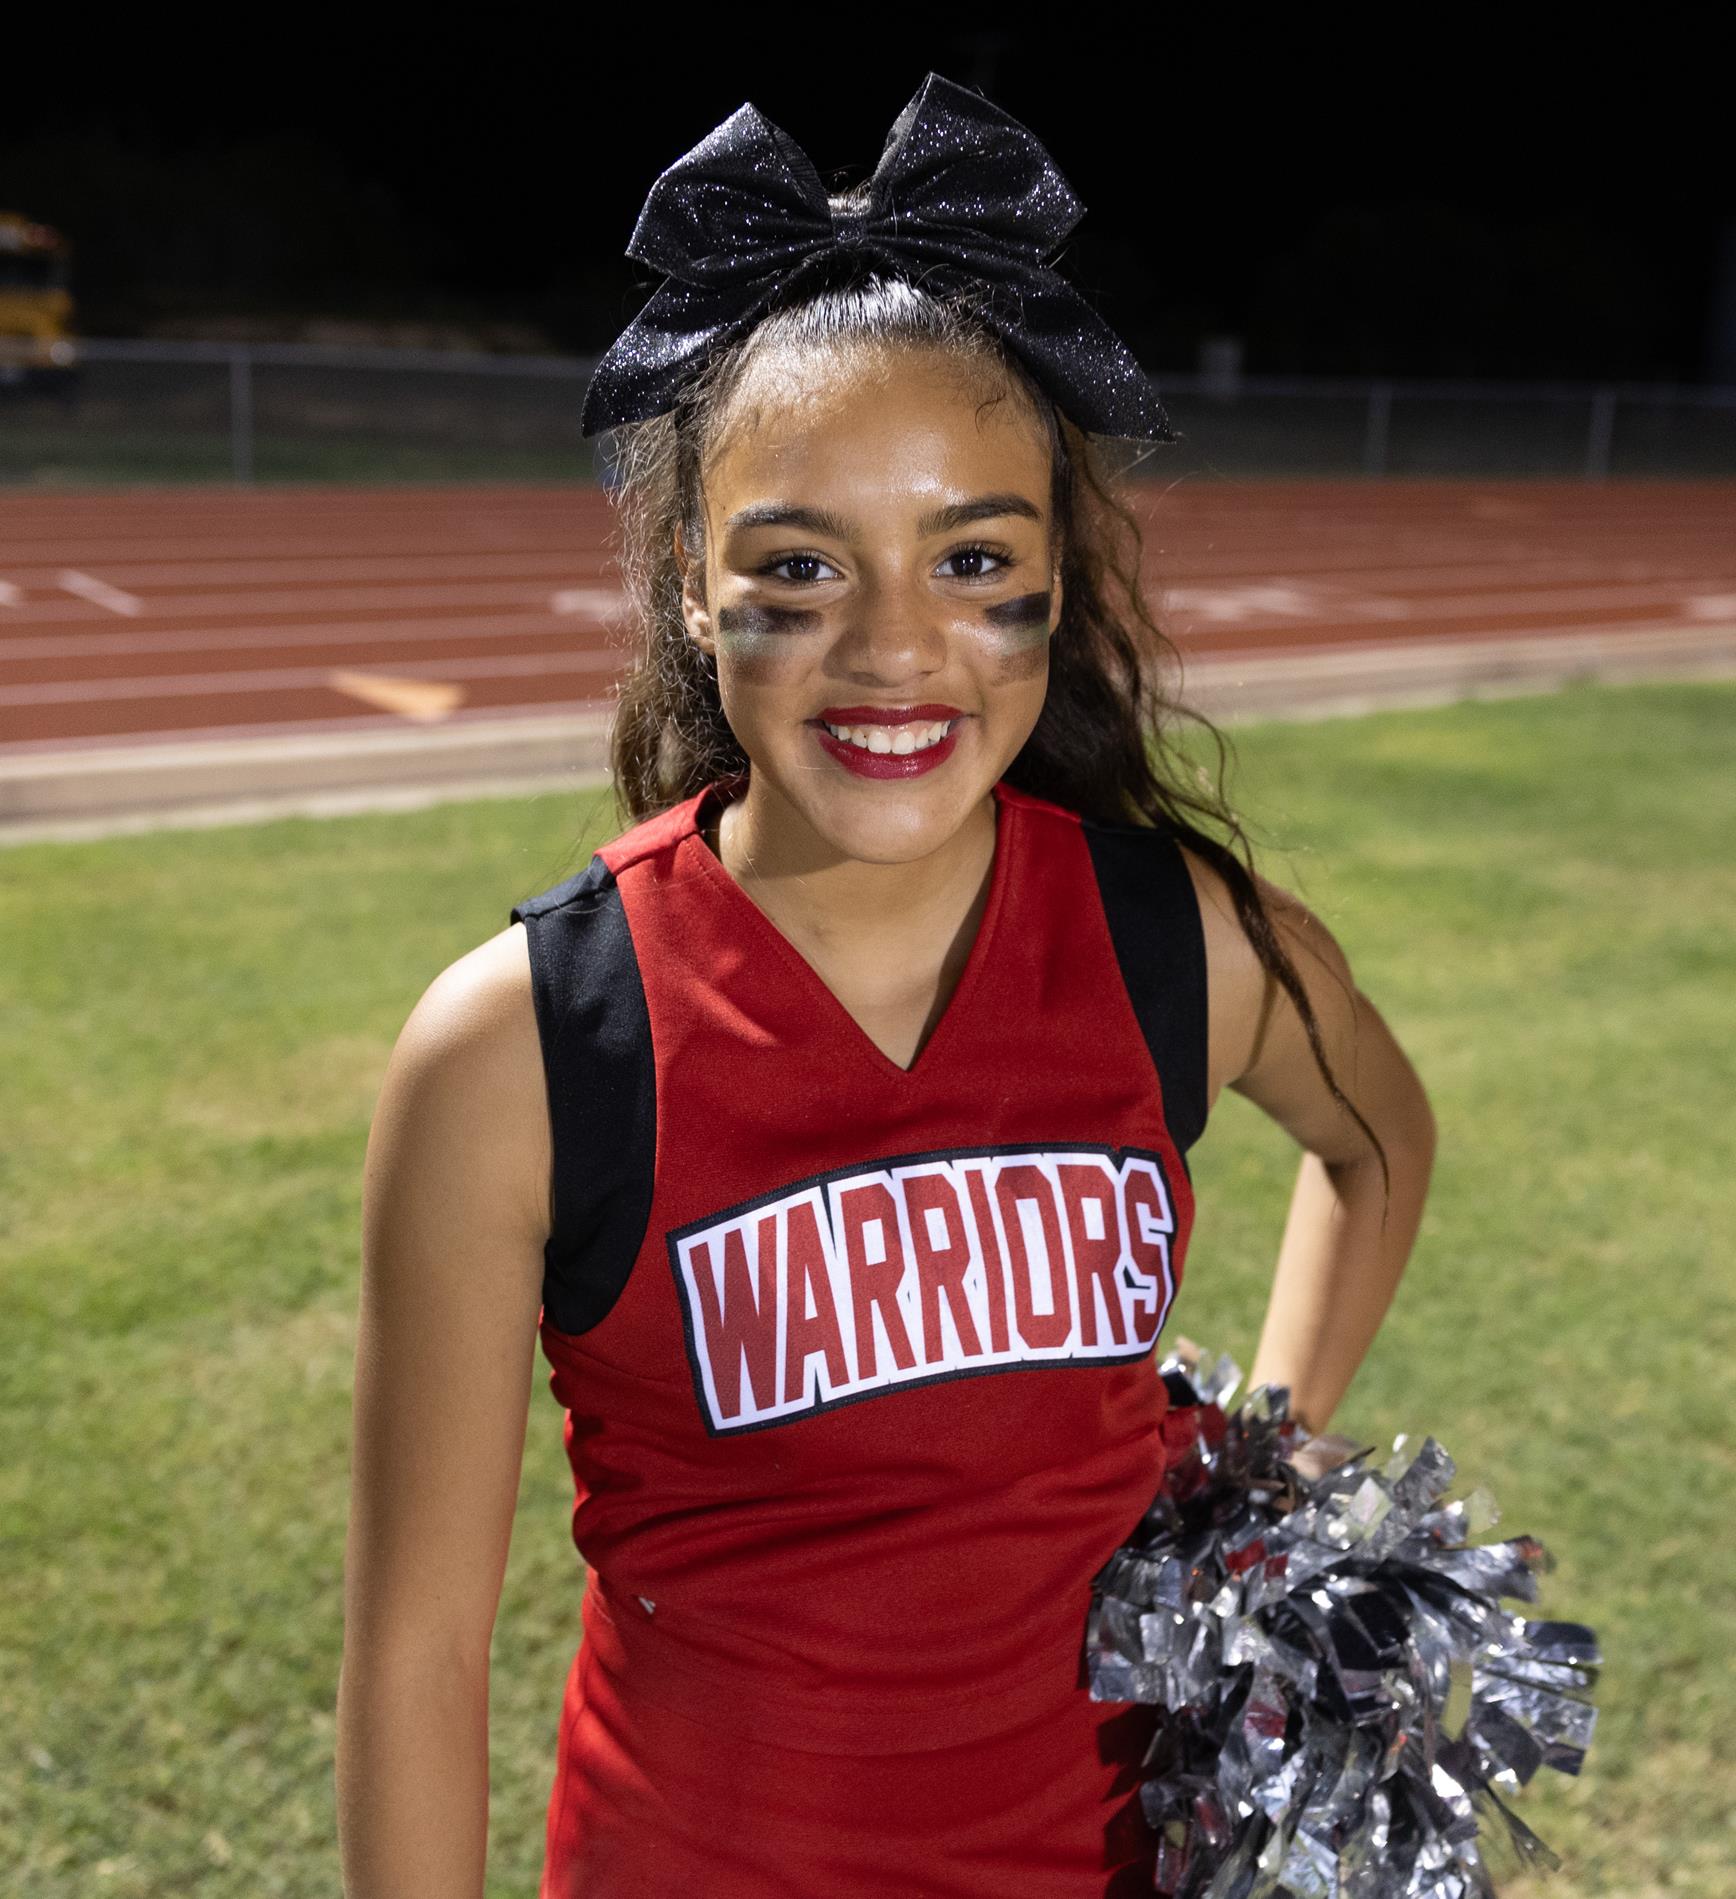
(964, 200)
(1306, 1637)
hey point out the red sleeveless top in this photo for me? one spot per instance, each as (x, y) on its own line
(858, 1361)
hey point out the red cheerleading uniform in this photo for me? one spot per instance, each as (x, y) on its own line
(858, 1370)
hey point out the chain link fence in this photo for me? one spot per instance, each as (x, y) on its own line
(190, 412)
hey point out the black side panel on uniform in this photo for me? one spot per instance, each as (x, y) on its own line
(602, 1086)
(1160, 943)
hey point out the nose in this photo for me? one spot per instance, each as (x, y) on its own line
(894, 631)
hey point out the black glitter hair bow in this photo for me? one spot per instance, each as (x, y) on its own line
(964, 197)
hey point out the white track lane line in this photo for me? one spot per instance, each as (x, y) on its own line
(1206, 611)
(99, 592)
(315, 596)
(554, 567)
(1347, 577)
(53, 692)
(229, 639)
(602, 601)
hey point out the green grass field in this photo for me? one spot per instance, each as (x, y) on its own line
(1539, 894)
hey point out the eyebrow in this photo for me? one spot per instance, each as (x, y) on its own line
(938, 521)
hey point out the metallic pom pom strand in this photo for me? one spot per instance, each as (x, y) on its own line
(1305, 1637)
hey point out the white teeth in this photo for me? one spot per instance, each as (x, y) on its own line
(898, 739)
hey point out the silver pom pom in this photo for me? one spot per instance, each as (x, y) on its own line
(1306, 1636)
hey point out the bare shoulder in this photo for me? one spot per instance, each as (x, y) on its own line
(453, 1227)
(1242, 994)
(483, 999)
(1260, 1043)
(467, 1068)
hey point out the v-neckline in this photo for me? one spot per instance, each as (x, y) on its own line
(970, 977)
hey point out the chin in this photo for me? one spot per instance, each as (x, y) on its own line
(891, 823)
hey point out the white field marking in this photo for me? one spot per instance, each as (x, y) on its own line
(547, 718)
(1636, 637)
(10, 595)
(1710, 606)
(271, 639)
(1234, 604)
(427, 701)
(1348, 576)
(560, 557)
(155, 570)
(1510, 576)
(1362, 606)
(51, 692)
(1434, 607)
(99, 593)
(316, 596)
(603, 601)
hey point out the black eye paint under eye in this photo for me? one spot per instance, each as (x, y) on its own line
(761, 622)
(1028, 610)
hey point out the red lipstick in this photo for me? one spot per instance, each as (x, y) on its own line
(887, 715)
(866, 764)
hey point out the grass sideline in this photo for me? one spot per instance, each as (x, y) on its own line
(1538, 893)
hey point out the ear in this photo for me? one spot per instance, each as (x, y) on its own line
(694, 611)
(1056, 597)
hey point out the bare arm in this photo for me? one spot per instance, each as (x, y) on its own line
(455, 1212)
(1343, 1251)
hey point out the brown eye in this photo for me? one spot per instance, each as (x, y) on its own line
(977, 553)
(772, 568)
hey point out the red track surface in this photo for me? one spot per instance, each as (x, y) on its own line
(144, 615)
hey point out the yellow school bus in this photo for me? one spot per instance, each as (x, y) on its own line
(37, 350)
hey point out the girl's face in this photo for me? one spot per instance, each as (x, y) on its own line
(877, 545)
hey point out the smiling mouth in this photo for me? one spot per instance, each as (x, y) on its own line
(895, 740)
(890, 731)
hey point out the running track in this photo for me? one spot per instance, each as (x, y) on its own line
(140, 617)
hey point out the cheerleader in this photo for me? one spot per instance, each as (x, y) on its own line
(830, 1130)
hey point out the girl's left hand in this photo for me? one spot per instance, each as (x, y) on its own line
(1317, 1455)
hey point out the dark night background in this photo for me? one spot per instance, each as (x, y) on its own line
(1420, 195)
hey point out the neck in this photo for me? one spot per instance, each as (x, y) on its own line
(825, 897)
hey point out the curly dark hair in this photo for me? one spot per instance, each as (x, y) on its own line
(1105, 744)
